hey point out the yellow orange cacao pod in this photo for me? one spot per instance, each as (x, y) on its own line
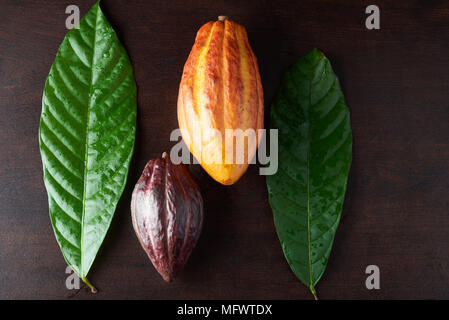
(221, 89)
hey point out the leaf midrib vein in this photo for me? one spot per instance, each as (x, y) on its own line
(308, 184)
(86, 156)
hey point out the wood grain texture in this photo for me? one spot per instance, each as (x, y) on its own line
(395, 214)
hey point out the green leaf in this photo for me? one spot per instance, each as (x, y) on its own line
(315, 152)
(86, 136)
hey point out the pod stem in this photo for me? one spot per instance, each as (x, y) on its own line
(222, 18)
(92, 288)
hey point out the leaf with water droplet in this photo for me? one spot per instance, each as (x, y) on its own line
(315, 152)
(86, 136)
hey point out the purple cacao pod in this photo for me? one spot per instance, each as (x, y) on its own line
(167, 215)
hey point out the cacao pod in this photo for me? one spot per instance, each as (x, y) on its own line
(167, 215)
(221, 89)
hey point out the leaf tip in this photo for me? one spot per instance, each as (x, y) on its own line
(317, 52)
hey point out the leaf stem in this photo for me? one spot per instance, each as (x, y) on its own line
(92, 288)
(312, 289)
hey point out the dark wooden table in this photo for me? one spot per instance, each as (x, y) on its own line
(396, 212)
